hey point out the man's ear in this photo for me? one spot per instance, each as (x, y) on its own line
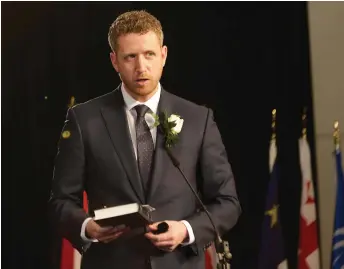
(164, 54)
(113, 58)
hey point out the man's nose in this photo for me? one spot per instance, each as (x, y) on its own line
(140, 64)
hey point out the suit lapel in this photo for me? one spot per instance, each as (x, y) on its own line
(117, 125)
(161, 159)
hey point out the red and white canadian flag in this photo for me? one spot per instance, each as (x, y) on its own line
(308, 255)
(70, 257)
(210, 257)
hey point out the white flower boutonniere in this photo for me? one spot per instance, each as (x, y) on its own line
(171, 127)
(177, 121)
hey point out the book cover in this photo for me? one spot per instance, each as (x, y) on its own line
(132, 215)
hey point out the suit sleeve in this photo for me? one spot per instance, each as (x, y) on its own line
(218, 188)
(66, 200)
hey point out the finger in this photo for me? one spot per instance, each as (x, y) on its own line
(113, 230)
(107, 237)
(159, 237)
(120, 227)
(111, 236)
(105, 229)
(164, 244)
(165, 237)
(167, 249)
(106, 233)
(152, 237)
(153, 226)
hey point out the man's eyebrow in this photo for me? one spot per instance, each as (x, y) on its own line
(129, 53)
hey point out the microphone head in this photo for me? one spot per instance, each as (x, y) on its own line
(162, 228)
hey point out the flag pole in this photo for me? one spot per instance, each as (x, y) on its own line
(273, 125)
(304, 123)
(272, 150)
(336, 135)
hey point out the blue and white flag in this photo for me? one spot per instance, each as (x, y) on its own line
(338, 233)
(272, 253)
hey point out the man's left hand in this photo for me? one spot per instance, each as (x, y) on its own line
(169, 240)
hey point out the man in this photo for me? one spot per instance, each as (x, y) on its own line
(111, 148)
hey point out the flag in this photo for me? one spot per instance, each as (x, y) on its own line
(210, 257)
(338, 233)
(308, 254)
(272, 255)
(70, 257)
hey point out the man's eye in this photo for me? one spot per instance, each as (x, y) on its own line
(130, 56)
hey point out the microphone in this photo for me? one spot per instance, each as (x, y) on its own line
(162, 228)
(222, 247)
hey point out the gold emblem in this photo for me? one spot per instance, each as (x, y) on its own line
(66, 134)
(273, 213)
(71, 102)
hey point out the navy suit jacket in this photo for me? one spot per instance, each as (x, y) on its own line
(98, 157)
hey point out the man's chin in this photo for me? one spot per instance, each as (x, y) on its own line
(143, 92)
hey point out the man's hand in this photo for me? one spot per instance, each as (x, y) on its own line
(169, 240)
(104, 234)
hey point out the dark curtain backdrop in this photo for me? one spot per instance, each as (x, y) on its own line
(240, 59)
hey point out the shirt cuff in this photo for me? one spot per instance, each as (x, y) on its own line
(191, 236)
(83, 234)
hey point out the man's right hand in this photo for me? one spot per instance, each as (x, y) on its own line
(104, 234)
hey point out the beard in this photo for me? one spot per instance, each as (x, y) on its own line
(141, 88)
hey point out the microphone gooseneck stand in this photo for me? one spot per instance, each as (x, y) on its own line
(222, 247)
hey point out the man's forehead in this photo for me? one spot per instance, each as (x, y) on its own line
(133, 41)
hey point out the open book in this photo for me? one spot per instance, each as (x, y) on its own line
(132, 215)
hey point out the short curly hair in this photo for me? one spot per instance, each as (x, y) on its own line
(139, 22)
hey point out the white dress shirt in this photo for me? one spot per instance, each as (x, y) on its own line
(130, 103)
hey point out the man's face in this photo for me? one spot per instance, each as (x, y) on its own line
(139, 60)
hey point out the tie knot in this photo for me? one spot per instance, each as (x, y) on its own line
(141, 110)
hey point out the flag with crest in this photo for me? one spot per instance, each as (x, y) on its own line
(272, 253)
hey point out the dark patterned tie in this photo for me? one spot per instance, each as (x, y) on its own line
(145, 146)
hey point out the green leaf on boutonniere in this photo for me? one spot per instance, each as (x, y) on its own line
(171, 136)
(156, 120)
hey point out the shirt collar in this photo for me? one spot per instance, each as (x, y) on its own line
(152, 103)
